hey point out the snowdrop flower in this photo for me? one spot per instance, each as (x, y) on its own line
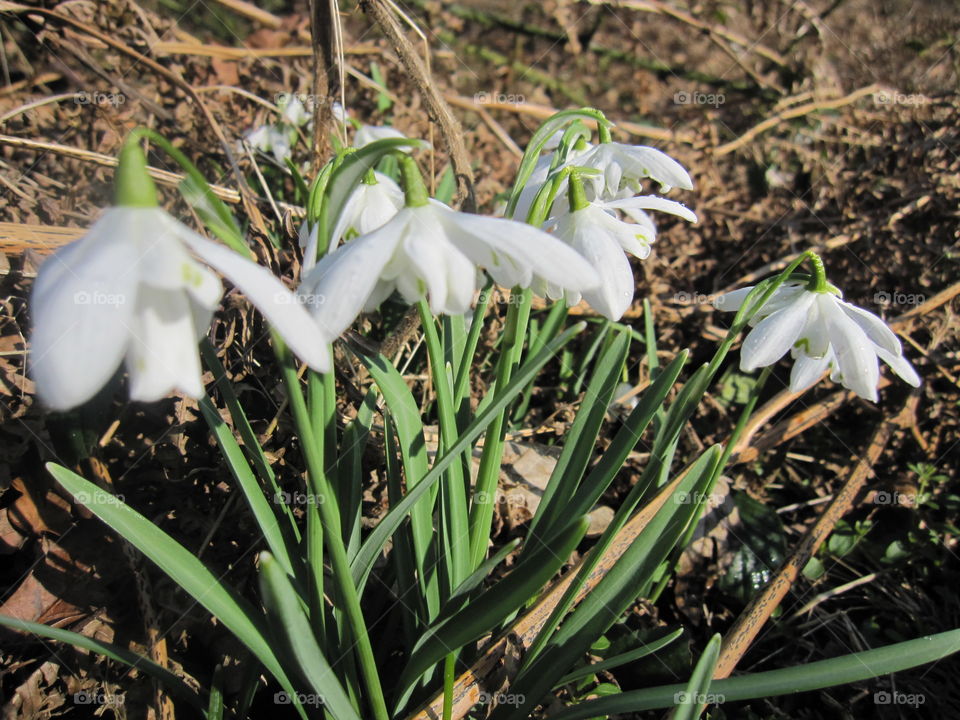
(271, 138)
(428, 249)
(367, 134)
(369, 207)
(594, 230)
(292, 111)
(822, 332)
(130, 292)
(626, 166)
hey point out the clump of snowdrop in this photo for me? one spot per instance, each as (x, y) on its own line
(278, 138)
(601, 214)
(822, 332)
(427, 250)
(129, 292)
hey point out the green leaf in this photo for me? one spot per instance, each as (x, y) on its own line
(174, 685)
(762, 550)
(374, 543)
(580, 440)
(621, 659)
(851, 668)
(492, 607)
(690, 701)
(263, 512)
(293, 628)
(177, 562)
(614, 593)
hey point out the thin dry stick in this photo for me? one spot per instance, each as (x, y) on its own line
(162, 176)
(542, 112)
(436, 106)
(796, 112)
(714, 31)
(251, 11)
(753, 618)
(249, 202)
(224, 52)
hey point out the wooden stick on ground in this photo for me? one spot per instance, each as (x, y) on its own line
(753, 618)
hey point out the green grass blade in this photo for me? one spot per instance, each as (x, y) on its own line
(263, 511)
(694, 697)
(174, 685)
(580, 441)
(375, 542)
(177, 562)
(842, 670)
(621, 659)
(293, 629)
(612, 595)
(492, 607)
(606, 469)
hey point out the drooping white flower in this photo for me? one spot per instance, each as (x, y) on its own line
(822, 332)
(369, 207)
(272, 138)
(627, 166)
(433, 251)
(603, 239)
(293, 112)
(130, 291)
(367, 134)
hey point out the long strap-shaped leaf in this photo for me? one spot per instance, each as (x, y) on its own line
(365, 559)
(263, 511)
(180, 564)
(800, 678)
(173, 684)
(293, 627)
(492, 607)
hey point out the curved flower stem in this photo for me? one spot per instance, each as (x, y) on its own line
(326, 502)
(818, 283)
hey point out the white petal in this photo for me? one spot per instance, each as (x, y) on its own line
(856, 355)
(82, 306)
(507, 249)
(277, 304)
(807, 370)
(653, 202)
(901, 366)
(875, 328)
(344, 280)
(775, 335)
(612, 297)
(307, 239)
(163, 354)
(369, 133)
(446, 272)
(731, 301)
